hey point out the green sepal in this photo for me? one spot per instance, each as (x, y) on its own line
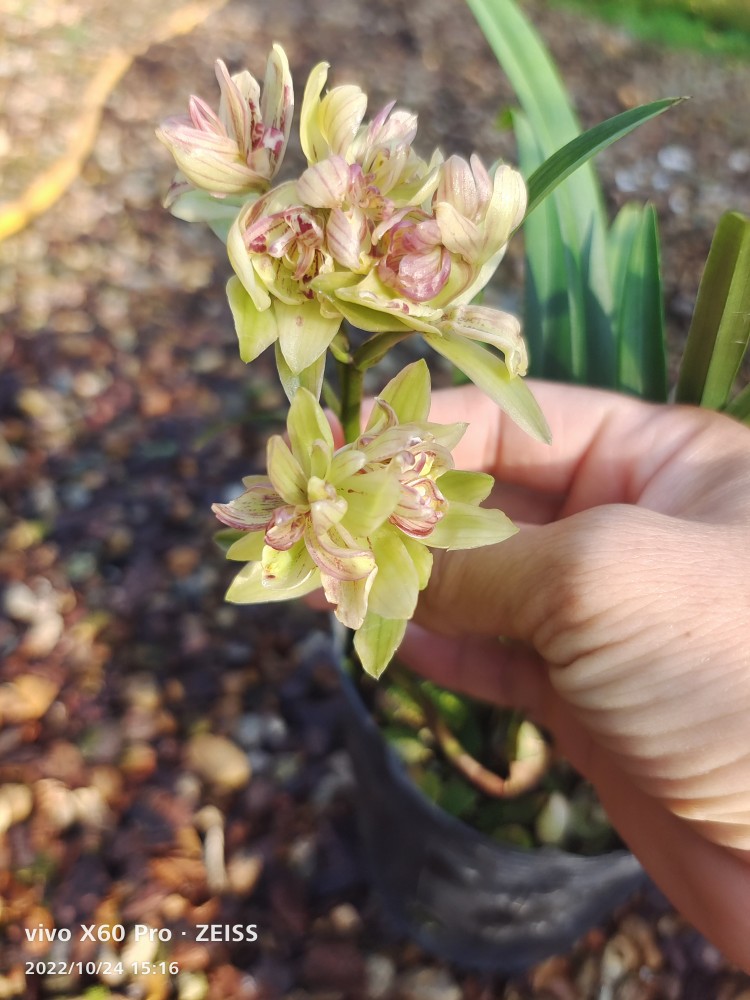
(488, 372)
(256, 330)
(376, 642)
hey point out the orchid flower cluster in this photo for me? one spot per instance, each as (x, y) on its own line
(371, 244)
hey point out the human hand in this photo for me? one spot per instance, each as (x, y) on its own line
(625, 598)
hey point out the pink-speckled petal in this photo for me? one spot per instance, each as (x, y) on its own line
(251, 511)
(286, 528)
(325, 184)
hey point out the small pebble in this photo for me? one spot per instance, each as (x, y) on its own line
(139, 950)
(678, 159)
(243, 873)
(380, 975)
(182, 560)
(192, 986)
(345, 919)
(16, 803)
(621, 955)
(56, 803)
(218, 761)
(428, 984)
(42, 637)
(20, 602)
(26, 698)
(738, 161)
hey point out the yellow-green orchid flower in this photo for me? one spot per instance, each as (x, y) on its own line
(239, 150)
(332, 126)
(359, 521)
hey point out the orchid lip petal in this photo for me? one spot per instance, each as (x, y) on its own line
(336, 560)
(491, 326)
(327, 513)
(286, 528)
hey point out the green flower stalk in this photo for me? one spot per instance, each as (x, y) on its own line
(359, 521)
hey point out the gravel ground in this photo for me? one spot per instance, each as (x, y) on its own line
(165, 759)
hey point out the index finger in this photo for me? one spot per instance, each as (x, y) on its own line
(597, 436)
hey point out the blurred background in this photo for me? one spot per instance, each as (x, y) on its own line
(165, 758)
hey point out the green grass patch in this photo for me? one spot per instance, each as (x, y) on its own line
(717, 27)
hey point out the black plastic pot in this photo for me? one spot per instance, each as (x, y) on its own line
(460, 895)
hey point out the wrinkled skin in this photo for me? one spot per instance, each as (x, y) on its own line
(625, 600)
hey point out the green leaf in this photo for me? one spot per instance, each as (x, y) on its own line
(578, 151)
(740, 406)
(639, 309)
(720, 331)
(578, 202)
(488, 373)
(524, 58)
(554, 353)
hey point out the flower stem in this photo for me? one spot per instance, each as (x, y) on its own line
(522, 777)
(351, 400)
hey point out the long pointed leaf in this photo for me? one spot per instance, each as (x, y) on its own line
(740, 406)
(581, 149)
(720, 331)
(639, 310)
(548, 311)
(578, 201)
